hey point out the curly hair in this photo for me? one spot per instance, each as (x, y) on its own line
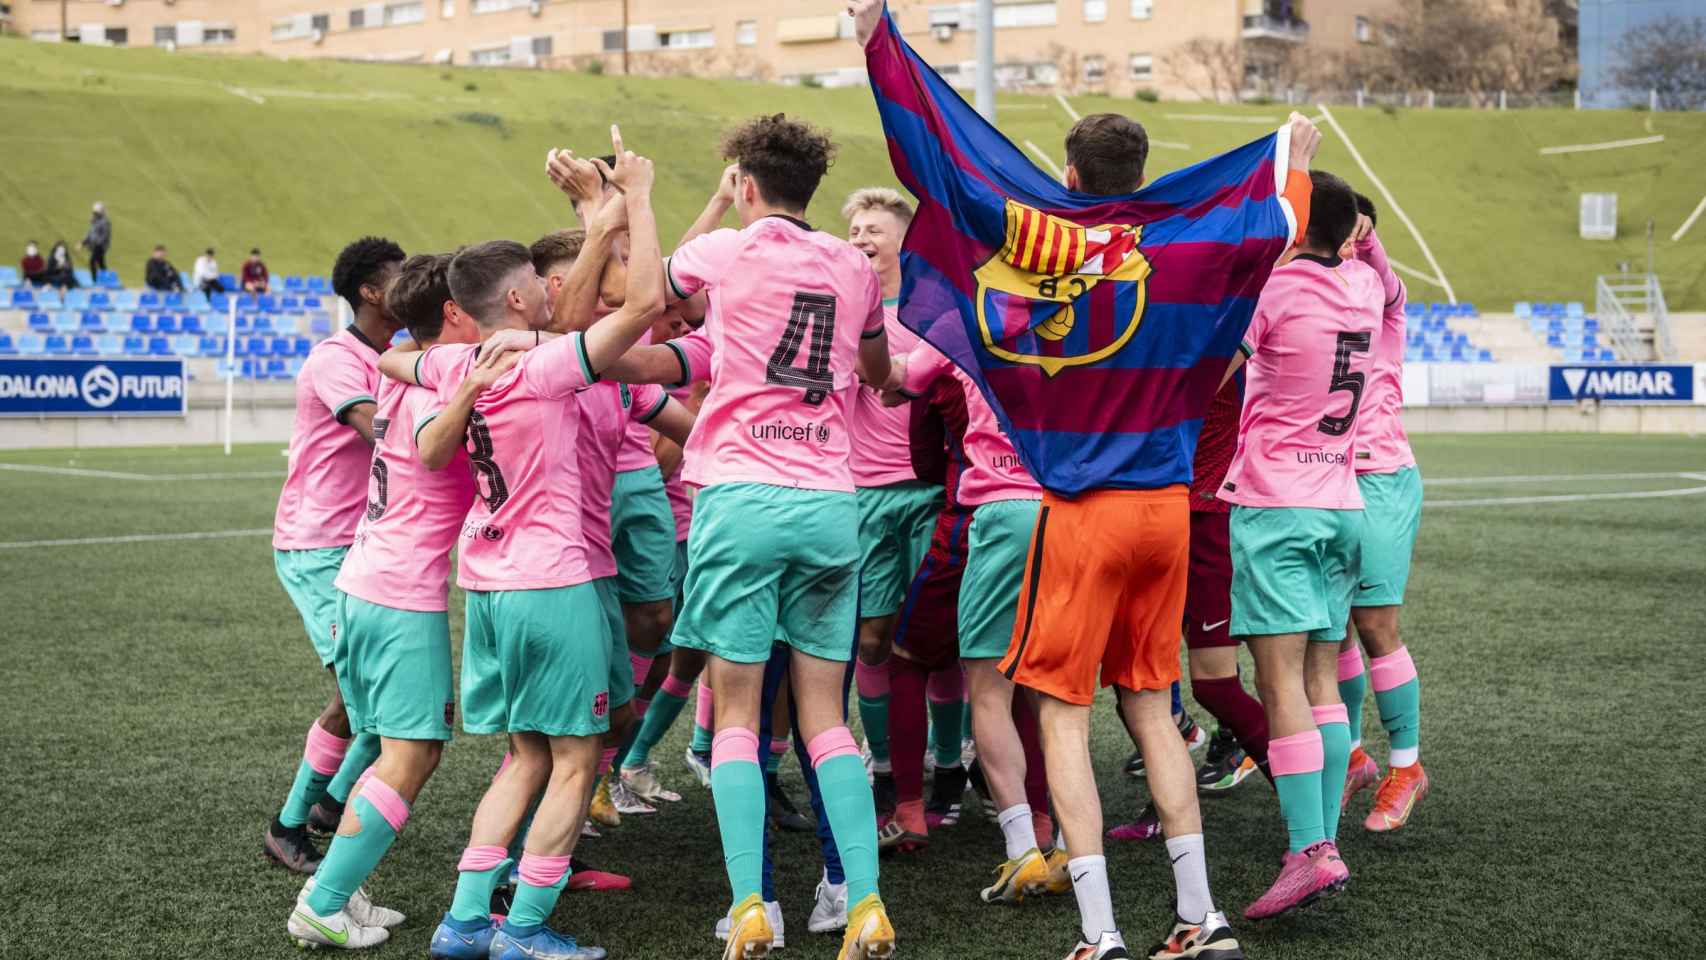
(556, 249)
(416, 297)
(786, 158)
(361, 264)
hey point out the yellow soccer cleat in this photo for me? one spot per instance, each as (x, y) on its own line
(869, 935)
(1059, 876)
(603, 809)
(750, 937)
(1016, 879)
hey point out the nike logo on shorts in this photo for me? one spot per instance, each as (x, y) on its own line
(1367, 586)
(1211, 627)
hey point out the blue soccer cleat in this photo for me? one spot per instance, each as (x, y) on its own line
(451, 942)
(542, 944)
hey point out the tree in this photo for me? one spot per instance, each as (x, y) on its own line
(1478, 47)
(1211, 69)
(1666, 55)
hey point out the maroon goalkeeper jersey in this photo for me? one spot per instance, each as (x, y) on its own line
(1216, 445)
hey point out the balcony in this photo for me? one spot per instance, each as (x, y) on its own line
(1261, 26)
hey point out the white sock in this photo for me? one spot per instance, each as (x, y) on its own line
(1017, 830)
(1190, 877)
(1095, 904)
(1356, 739)
(1406, 757)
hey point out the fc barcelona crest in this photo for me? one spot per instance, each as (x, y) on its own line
(1059, 295)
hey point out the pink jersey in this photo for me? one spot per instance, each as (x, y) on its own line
(401, 555)
(607, 410)
(1310, 347)
(680, 501)
(325, 485)
(636, 450)
(788, 308)
(524, 529)
(881, 441)
(993, 471)
(1382, 444)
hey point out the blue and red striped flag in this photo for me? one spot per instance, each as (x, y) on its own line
(1097, 327)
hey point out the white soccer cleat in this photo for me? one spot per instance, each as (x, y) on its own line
(626, 803)
(829, 913)
(772, 913)
(643, 783)
(360, 908)
(339, 931)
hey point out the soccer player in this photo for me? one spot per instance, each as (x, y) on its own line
(1391, 488)
(324, 496)
(535, 659)
(794, 315)
(1296, 523)
(897, 510)
(392, 649)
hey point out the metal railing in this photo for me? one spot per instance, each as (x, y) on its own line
(1632, 310)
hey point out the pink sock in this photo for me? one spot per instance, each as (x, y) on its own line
(704, 708)
(324, 750)
(605, 760)
(1392, 670)
(477, 859)
(947, 685)
(677, 687)
(387, 801)
(736, 744)
(832, 743)
(642, 665)
(541, 871)
(1350, 663)
(872, 679)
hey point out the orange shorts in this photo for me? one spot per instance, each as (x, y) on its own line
(1104, 593)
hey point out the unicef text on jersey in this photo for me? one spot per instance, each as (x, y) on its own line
(1615, 383)
(88, 387)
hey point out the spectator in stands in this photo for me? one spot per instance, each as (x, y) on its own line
(161, 275)
(255, 277)
(206, 273)
(33, 267)
(61, 270)
(98, 239)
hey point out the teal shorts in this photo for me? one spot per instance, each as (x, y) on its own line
(393, 670)
(767, 562)
(535, 661)
(1293, 571)
(642, 532)
(895, 524)
(621, 671)
(307, 576)
(1392, 514)
(677, 579)
(998, 542)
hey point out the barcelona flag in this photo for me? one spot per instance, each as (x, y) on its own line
(1097, 327)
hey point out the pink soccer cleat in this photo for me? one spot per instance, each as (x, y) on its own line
(1359, 776)
(1304, 878)
(1400, 791)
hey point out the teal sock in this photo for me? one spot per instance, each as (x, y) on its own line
(473, 900)
(853, 820)
(533, 904)
(1335, 760)
(1300, 805)
(1352, 691)
(945, 732)
(307, 789)
(874, 715)
(774, 760)
(1401, 715)
(737, 788)
(965, 720)
(363, 750)
(350, 859)
(659, 718)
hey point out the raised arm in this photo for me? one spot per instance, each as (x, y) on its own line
(611, 337)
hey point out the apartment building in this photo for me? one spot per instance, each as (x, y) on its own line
(1177, 48)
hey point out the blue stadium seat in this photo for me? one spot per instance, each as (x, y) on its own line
(23, 298)
(84, 277)
(141, 323)
(245, 301)
(1608, 355)
(9, 277)
(282, 346)
(219, 301)
(49, 298)
(295, 367)
(114, 322)
(295, 284)
(76, 299)
(57, 344)
(1574, 309)
(215, 323)
(166, 323)
(228, 281)
(320, 326)
(288, 324)
(99, 298)
(1486, 356)
(125, 299)
(7, 347)
(41, 322)
(66, 322)
(266, 302)
(135, 345)
(83, 346)
(91, 320)
(160, 346)
(148, 300)
(319, 285)
(174, 300)
(278, 370)
(310, 303)
(196, 300)
(1554, 340)
(32, 344)
(212, 347)
(300, 346)
(1589, 340)
(1428, 355)
(263, 323)
(185, 345)
(260, 346)
(1467, 309)
(190, 323)
(108, 345)
(109, 279)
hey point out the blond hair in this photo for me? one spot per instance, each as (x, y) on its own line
(877, 198)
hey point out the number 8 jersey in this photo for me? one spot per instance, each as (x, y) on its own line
(788, 307)
(1311, 352)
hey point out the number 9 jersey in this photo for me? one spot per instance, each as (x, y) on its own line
(788, 308)
(1311, 352)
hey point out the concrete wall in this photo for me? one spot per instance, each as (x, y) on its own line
(1558, 418)
(258, 424)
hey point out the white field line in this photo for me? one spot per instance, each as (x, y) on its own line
(1554, 477)
(1060, 98)
(1412, 271)
(246, 95)
(140, 477)
(1391, 202)
(1217, 118)
(1607, 145)
(1047, 160)
(1686, 224)
(133, 538)
(1170, 144)
(1567, 498)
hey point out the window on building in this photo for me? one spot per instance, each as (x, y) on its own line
(397, 14)
(1095, 68)
(447, 9)
(1095, 11)
(1365, 30)
(1026, 14)
(494, 6)
(685, 39)
(489, 56)
(1142, 67)
(357, 18)
(320, 23)
(163, 36)
(1142, 9)
(952, 15)
(612, 41)
(118, 36)
(746, 33)
(218, 33)
(542, 46)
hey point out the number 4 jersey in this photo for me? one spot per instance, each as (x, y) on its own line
(1311, 351)
(788, 306)
(401, 556)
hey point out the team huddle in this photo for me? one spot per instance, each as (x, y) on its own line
(745, 475)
